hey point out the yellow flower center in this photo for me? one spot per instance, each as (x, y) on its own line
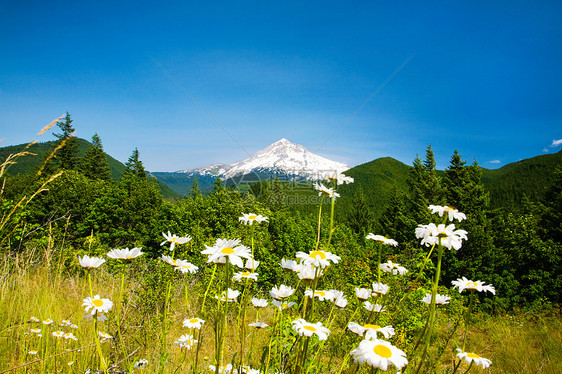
(471, 285)
(472, 355)
(310, 328)
(320, 293)
(227, 250)
(382, 351)
(245, 274)
(252, 217)
(374, 327)
(442, 234)
(193, 320)
(315, 254)
(97, 303)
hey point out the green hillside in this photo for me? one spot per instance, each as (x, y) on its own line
(378, 179)
(181, 183)
(530, 177)
(30, 163)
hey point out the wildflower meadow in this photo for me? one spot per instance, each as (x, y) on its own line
(195, 299)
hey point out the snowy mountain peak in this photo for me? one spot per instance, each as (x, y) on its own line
(281, 157)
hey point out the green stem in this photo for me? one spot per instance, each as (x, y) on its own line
(379, 264)
(207, 290)
(118, 317)
(331, 218)
(319, 223)
(103, 364)
(469, 366)
(432, 308)
(467, 318)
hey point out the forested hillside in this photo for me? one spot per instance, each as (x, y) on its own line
(519, 250)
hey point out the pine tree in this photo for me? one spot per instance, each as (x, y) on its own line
(94, 164)
(418, 199)
(551, 220)
(359, 217)
(195, 191)
(134, 166)
(67, 154)
(432, 188)
(394, 220)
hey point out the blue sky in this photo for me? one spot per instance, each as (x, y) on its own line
(352, 81)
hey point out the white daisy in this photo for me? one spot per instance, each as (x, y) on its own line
(258, 325)
(231, 295)
(340, 301)
(259, 303)
(449, 237)
(374, 307)
(125, 253)
(245, 275)
(370, 331)
(308, 329)
(90, 262)
(33, 319)
(186, 267)
(308, 271)
(250, 218)
(48, 321)
(281, 292)
(465, 284)
(58, 334)
(231, 249)
(379, 354)
(282, 305)
(289, 265)
(380, 288)
(32, 352)
(439, 299)
(382, 239)
(97, 304)
(169, 260)
(104, 335)
(391, 267)
(320, 294)
(318, 258)
(363, 293)
(452, 213)
(473, 357)
(185, 341)
(341, 178)
(70, 336)
(193, 323)
(174, 239)
(323, 190)
(141, 364)
(252, 264)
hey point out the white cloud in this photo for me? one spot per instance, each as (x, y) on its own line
(556, 142)
(494, 162)
(545, 150)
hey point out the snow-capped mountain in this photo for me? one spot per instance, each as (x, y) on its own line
(280, 158)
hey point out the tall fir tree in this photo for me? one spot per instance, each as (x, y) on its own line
(67, 155)
(418, 199)
(432, 188)
(359, 217)
(395, 222)
(134, 166)
(94, 164)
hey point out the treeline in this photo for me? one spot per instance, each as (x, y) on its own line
(90, 212)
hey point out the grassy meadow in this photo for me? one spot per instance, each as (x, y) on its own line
(210, 286)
